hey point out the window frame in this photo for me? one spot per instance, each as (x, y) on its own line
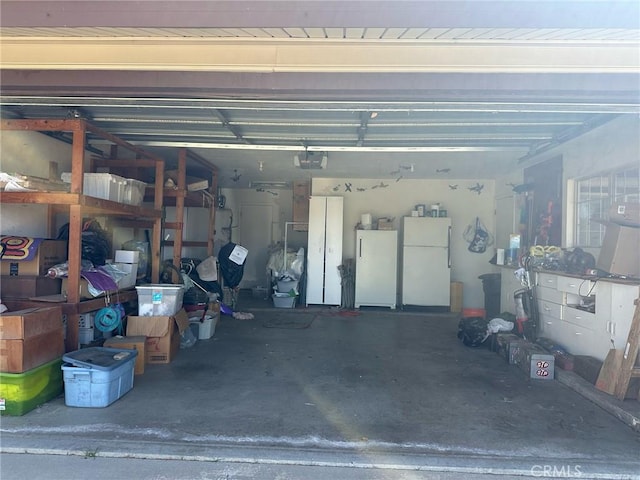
(614, 188)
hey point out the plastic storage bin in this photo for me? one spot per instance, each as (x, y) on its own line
(283, 300)
(285, 286)
(101, 185)
(159, 300)
(205, 328)
(97, 376)
(133, 191)
(22, 392)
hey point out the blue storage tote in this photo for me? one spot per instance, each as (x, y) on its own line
(97, 376)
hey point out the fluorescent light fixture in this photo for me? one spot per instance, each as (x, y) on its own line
(268, 185)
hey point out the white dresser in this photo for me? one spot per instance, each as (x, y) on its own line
(585, 331)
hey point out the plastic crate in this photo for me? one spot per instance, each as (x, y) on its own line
(98, 376)
(133, 191)
(159, 300)
(22, 392)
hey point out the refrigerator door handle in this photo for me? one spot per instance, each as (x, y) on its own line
(449, 247)
(360, 248)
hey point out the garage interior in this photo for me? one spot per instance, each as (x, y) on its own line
(389, 105)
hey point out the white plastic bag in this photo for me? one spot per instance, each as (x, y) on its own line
(499, 325)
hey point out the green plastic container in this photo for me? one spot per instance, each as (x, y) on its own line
(22, 392)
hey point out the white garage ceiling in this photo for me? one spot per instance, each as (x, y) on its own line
(381, 89)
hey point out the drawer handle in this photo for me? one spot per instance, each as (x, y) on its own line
(547, 309)
(549, 323)
(572, 285)
(578, 333)
(578, 317)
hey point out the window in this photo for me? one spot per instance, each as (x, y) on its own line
(594, 197)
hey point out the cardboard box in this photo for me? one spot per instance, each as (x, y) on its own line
(84, 289)
(619, 254)
(131, 343)
(535, 361)
(30, 322)
(25, 286)
(163, 335)
(456, 297)
(129, 280)
(627, 214)
(31, 256)
(30, 338)
(385, 224)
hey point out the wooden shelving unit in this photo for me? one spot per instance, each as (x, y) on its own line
(180, 197)
(78, 205)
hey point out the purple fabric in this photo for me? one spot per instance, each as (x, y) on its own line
(99, 279)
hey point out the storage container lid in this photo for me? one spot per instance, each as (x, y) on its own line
(159, 286)
(100, 358)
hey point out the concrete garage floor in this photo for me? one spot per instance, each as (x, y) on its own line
(316, 386)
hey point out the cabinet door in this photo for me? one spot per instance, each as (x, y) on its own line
(315, 250)
(622, 308)
(333, 253)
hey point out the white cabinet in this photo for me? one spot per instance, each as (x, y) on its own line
(324, 251)
(592, 332)
(376, 268)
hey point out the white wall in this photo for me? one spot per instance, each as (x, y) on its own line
(397, 199)
(280, 203)
(30, 153)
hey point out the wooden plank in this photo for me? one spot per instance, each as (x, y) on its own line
(630, 355)
(610, 371)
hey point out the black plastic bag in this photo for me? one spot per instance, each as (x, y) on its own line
(96, 246)
(231, 271)
(472, 331)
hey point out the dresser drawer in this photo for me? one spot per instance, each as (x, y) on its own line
(578, 340)
(549, 294)
(577, 286)
(547, 280)
(579, 317)
(549, 309)
(551, 327)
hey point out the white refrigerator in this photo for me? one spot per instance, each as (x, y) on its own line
(376, 268)
(426, 261)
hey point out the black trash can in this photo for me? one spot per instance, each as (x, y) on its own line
(491, 286)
